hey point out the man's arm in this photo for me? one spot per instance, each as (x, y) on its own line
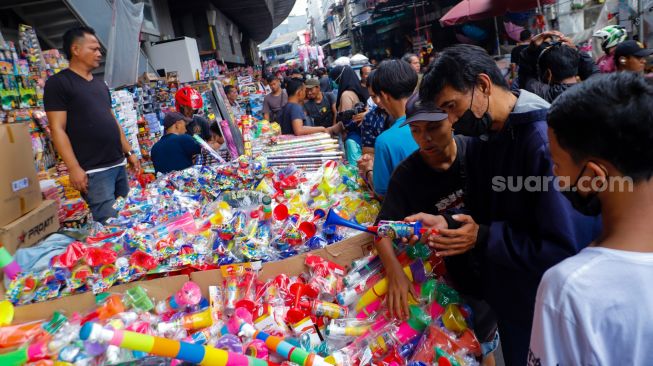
(266, 108)
(334, 111)
(57, 120)
(299, 129)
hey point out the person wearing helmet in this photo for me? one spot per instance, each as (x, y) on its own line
(610, 37)
(187, 102)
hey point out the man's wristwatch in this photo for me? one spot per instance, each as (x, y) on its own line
(128, 154)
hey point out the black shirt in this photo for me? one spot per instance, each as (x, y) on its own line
(416, 187)
(174, 152)
(321, 113)
(289, 113)
(90, 124)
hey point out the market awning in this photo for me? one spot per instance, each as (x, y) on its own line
(471, 10)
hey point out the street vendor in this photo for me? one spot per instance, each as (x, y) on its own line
(232, 98)
(176, 149)
(84, 130)
(188, 101)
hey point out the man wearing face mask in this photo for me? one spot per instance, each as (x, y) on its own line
(595, 308)
(516, 231)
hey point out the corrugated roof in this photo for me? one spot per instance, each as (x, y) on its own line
(282, 40)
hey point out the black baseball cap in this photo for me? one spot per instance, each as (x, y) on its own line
(171, 118)
(417, 111)
(631, 48)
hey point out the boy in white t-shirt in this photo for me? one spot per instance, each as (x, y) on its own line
(596, 308)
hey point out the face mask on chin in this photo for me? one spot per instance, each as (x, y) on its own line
(589, 205)
(470, 125)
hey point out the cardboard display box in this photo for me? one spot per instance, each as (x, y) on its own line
(342, 253)
(20, 191)
(31, 228)
(158, 289)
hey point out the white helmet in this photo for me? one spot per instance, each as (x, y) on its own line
(611, 36)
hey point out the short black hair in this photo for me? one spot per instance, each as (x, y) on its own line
(396, 78)
(214, 128)
(72, 35)
(320, 71)
(271, 77)
(293, 85)
(562, 60)
(228, 88)
(459, 66)
(525, 35)
(370, 78)
(407, 56)
(608, 117)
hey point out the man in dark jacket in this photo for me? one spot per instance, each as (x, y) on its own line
(549, 68)
(517, 231)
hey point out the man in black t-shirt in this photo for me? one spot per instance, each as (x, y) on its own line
(292, 118)
(429, 180)
(84, 129)
(320, 107)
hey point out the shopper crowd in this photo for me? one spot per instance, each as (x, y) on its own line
(515, 175)
(442, 144)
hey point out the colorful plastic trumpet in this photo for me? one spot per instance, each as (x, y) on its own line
(385, 229)
(308, 227)
(295, 314)
(164, 347)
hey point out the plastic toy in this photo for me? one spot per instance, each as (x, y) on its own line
(189, 294)
(163, 347)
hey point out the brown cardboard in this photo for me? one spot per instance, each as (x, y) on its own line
(342, 253)
(31, 228)
(158, 289)
(20, 192)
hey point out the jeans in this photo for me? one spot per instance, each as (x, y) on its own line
(103, 189)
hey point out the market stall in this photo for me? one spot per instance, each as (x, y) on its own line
(263, 257)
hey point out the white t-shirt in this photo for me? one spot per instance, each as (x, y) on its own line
(595, 308)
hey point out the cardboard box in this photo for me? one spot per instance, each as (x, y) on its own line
(20, 191)
(158, 289)
(31, 228)
(342, 253)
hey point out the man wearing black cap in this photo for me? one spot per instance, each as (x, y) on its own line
(176, 149)
(631, 56)
(431, 180)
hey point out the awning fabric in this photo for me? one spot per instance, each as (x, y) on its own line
(471, 10)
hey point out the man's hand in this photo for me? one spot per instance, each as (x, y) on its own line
(399, 288)
(335, 129)
(544, 36)
(428, 222)
(365, 164)
(134, 164)
(79, 179)
(358, 118)
(458, 241)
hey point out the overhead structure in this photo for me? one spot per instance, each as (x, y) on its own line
(472, 10)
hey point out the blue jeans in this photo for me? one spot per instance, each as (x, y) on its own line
(103, 189)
